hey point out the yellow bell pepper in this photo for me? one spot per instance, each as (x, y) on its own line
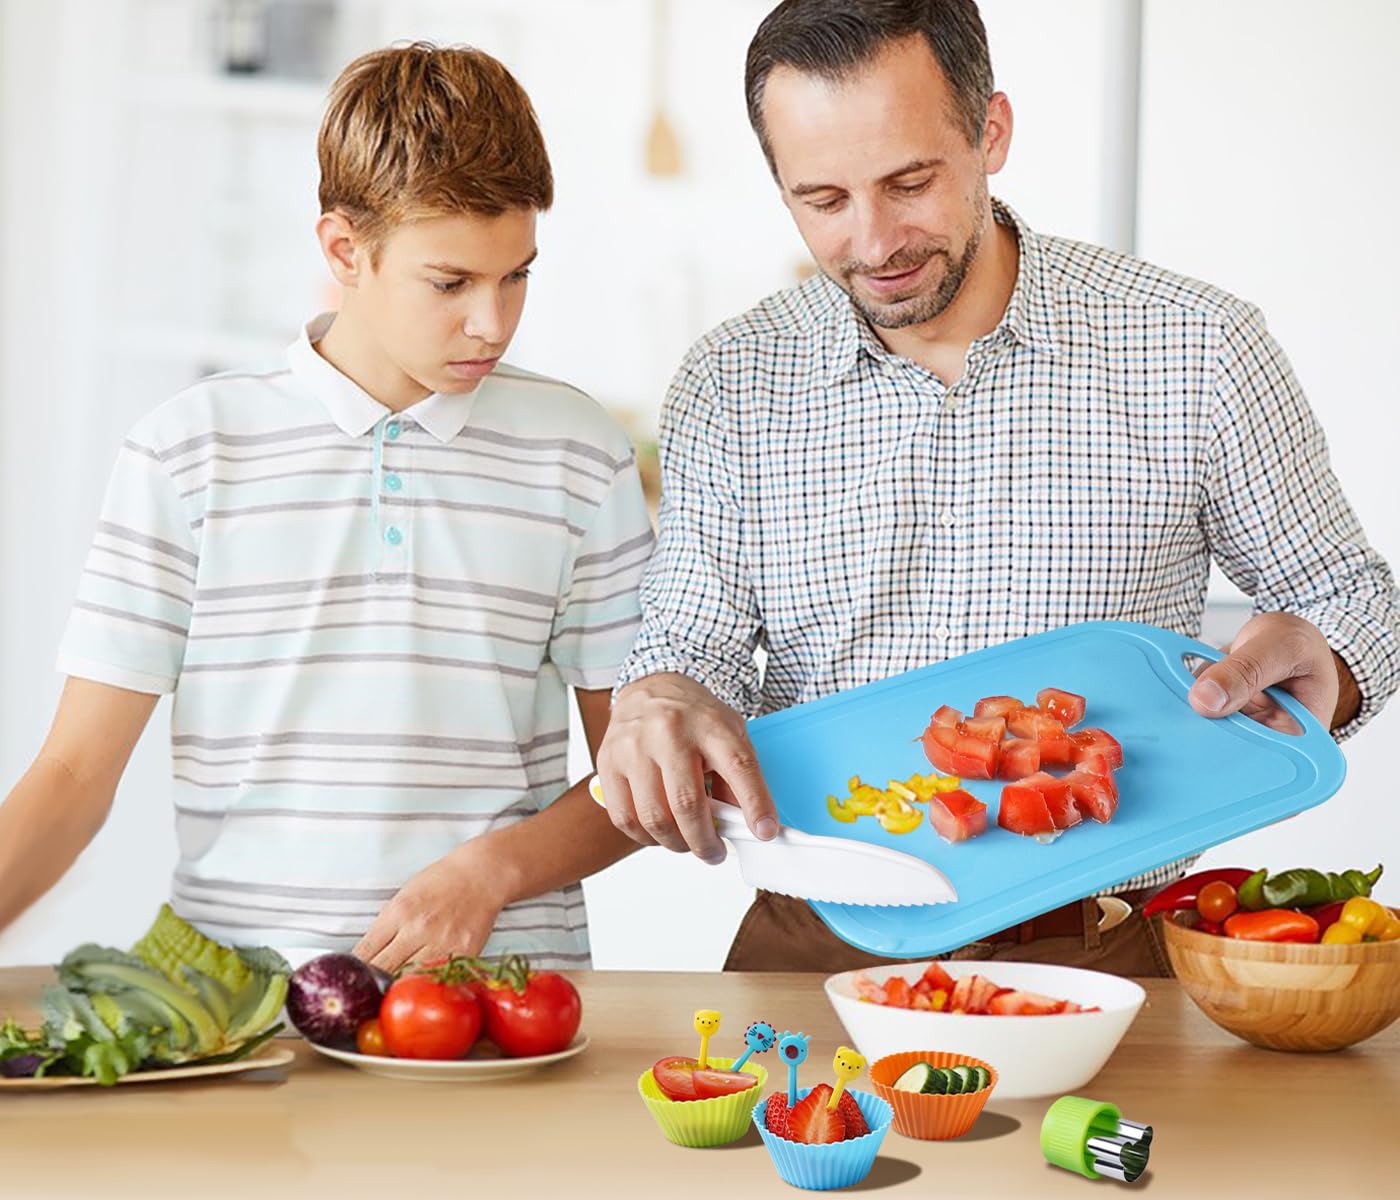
(1368, 918)
(1337, 934)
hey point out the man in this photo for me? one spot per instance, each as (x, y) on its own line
(959, 433)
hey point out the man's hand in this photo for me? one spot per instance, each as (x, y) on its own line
(666, 735)
(1278, 649)
(449, 907)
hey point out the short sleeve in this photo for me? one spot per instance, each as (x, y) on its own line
(131, 616)
(598, 613)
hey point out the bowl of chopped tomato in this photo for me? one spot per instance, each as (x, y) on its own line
(1048, 1029)
(1281, 988)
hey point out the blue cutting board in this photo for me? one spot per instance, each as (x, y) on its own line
(1187, 782)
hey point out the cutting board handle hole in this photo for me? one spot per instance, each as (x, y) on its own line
(1271, 714)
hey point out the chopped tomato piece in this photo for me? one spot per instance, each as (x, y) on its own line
(1086, 741)
(955, 752)
(989, 728)
(947, 715)
(971, 994)
(1057, 798)
(1032, 723)
(955, 817)
(1024, 810)
(868, 989)
(1065, 707)
(1019, 757)
(936, 977)
(997, 706)
(898, 993)
(1095, 762)
(1095, 796)
(1055, 750)
(711, 1082)
(1024, 1004)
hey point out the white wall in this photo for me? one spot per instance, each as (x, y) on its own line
(1269, 166)
(632, 269)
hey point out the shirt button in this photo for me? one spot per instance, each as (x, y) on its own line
(393, 482)
(946, 518)
(392, 535)
(393, 431)
(943, 632)
(889, 370)
(950, 404)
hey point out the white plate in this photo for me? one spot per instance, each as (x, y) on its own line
(266, 1059)
(453, 1070)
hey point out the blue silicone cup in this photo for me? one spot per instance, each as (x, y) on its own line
(832, 1165)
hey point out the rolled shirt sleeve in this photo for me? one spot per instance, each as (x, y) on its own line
(1278, 523)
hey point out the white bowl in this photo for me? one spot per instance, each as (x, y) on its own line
(1035, 1056)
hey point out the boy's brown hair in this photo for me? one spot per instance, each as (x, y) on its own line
(423, 130)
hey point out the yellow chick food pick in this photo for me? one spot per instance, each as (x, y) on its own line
(847, 1064)
(706, 1023)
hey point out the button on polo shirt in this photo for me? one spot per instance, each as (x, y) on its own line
(369, 621)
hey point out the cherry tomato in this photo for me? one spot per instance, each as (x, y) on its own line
(369, 1038)
(427, 1015)
(541, 1018)
(1217, 901)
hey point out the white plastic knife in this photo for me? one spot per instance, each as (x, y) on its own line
(831, 869)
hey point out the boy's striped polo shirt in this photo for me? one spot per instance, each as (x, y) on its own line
(368, 622)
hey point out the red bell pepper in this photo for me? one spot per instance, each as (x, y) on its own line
(1183, 893)
(1272, 925)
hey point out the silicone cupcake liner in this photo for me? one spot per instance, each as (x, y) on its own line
(701, 1123)
(834, 1164)
(930, 1118)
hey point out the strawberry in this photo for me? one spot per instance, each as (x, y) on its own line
(812, 1122)
(777, 1115)
(849, 1112)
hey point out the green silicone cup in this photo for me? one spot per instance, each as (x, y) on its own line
(1070, 1122)
(702, 1123)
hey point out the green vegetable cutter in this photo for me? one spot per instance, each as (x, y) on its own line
(1092, 1137)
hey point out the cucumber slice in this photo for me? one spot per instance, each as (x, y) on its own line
(965, 1078)
(944, 1080)
(984, 1078)
(915, 1079)
(937, 1082)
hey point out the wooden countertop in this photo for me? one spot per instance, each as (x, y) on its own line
(1230, 1120)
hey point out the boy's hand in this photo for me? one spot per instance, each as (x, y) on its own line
(448, 908)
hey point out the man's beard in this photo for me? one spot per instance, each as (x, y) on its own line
(914, 310)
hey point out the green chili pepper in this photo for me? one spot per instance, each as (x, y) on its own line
(1303, 887)
(1250, 893)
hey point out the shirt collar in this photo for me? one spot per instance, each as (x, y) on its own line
(353, 409)
(1028, 320)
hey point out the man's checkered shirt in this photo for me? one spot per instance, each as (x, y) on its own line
(837, 505)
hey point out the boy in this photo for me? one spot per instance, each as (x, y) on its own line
(367, 575)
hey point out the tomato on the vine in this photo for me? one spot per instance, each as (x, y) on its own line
(431, 1013)
(529, 1012)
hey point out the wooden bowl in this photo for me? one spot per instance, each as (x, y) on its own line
(1286, 996)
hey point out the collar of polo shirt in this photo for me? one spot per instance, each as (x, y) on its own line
(353, 409)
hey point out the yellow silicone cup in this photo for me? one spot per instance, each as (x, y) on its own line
(701, 1123)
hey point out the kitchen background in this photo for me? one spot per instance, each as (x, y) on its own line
(157, 193)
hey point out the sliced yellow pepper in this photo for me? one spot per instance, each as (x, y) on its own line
(940, 999)
(900, 822)
(903, 791)
(839, 810)
(948, 783)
